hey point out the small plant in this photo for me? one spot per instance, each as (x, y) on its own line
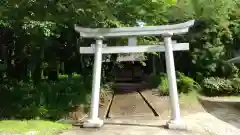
(187, 84)
(163, 86)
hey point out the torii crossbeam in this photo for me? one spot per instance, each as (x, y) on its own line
(167, 31)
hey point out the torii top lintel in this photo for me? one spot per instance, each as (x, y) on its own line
(135, 31)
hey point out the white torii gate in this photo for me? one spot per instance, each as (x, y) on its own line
(168, 47)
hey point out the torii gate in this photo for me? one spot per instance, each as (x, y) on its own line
(167, 31)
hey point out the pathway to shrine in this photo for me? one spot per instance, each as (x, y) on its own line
(129, 105)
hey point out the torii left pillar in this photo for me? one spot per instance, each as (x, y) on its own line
(94, 121)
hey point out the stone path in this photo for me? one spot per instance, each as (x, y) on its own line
(197, 124)
(130, 104)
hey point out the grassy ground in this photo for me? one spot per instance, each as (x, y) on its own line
(190, 102)
(39, 126)
(190, 97)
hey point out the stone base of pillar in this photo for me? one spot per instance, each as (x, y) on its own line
(93, 123)
(176, 125)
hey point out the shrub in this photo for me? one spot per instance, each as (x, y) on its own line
(47, 99)
(163, 86)
(215, 86)
(185, 84)
(236, 85)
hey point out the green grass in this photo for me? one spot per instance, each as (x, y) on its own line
(190, 97)
(42, 127)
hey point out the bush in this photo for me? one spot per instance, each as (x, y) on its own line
(47, 100)
(236, 85)
(185, 84)
(163, 86)
(215, 86)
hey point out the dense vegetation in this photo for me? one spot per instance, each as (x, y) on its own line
(38, 43)
(185, 84)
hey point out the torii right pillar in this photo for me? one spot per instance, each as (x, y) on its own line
(175, 122)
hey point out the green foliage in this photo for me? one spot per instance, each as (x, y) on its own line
(163, 86)
(37, 32)
(210, 10)
(236, 85)
(26, 126)
(149, 11)
(37, 36)
(215, 86)
(49, 100)
(213, 38)
(185, 84)
(210, 52)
